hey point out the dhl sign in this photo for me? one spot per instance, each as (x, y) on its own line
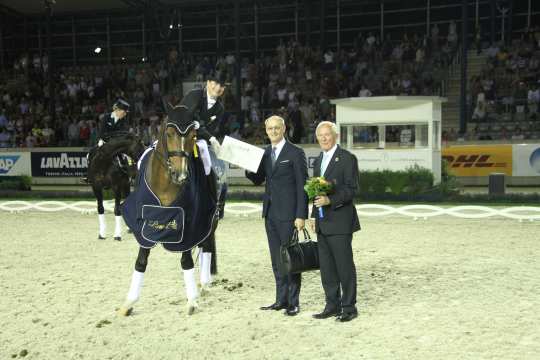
(478, 160)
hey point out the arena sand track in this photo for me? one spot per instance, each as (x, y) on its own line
(444, 288)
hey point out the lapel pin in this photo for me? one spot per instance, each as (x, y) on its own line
(337, 159)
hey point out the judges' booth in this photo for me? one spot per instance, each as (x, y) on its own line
(392, 132)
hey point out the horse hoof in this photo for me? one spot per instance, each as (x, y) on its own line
(118, 238)
(204, 290)
(101, 237)
(123, 311)
(192, 306)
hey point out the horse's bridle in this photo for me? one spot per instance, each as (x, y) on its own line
(166, 158)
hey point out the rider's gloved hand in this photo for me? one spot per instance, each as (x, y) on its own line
(100, 143)
(215, 145)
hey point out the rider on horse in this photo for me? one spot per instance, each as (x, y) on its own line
(113, 125)
(115, 122)
(207, 109)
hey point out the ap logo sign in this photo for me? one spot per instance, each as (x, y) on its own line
(7, 162)
(534, 160)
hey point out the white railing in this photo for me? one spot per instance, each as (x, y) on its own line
(416, 212)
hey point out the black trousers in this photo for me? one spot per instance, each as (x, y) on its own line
(338, 273)
(288, 286)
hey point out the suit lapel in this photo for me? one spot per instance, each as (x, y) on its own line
(268, 164)
(205, 103)
(333, 161)
(317, 166)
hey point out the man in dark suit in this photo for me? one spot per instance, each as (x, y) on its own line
(336, 225)
(284, 169)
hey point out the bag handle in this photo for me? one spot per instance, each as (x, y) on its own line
(295, 239)
(306, 235)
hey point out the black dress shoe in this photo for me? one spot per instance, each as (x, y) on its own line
(325, 314)
(344, 317)
(292, 310)
(274, 306)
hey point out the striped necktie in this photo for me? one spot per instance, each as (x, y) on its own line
(274, 157)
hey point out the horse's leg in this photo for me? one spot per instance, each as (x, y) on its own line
(207, 263)
(98, 193)
(189, 282)
(118, 221)
(136, 282)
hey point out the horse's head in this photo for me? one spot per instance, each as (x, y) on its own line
(135, 146)
(177, 141)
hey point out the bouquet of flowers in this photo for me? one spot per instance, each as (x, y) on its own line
(318, 186)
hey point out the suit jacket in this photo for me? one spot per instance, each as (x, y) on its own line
(108, 127)
(340, 216)
(209, 119)
(284, 197)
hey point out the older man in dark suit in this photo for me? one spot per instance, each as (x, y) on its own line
(284, 169)
(335, 225)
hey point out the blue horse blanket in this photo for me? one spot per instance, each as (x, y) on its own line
(180, 226)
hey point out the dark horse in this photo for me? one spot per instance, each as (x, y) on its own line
(175, 205)
(110, 169)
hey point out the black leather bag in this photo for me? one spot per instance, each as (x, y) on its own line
(299, 256)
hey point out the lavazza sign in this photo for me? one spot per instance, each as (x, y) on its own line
(59, 164)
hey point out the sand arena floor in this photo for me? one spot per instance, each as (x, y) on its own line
(443, 288)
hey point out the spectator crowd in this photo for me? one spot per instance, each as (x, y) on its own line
(295, 81)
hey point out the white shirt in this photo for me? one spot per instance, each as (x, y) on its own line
(327, 156)
(211, 100)
(279, 147)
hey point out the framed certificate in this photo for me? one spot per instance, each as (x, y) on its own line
(240, 153)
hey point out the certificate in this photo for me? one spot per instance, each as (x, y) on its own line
(241, 153)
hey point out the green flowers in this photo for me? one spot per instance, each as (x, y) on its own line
(317, 186)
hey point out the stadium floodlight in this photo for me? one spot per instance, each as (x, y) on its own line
(97, 50)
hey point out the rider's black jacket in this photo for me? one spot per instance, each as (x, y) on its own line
(108, 127)
(210, 120)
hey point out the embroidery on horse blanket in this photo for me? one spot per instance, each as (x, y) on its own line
(178, 227)
(163, 224)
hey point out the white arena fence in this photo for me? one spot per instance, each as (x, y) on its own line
(520, 213)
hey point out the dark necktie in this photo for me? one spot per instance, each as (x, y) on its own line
(274, 157)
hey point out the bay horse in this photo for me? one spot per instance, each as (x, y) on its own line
(174, 204)
(105, 171)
